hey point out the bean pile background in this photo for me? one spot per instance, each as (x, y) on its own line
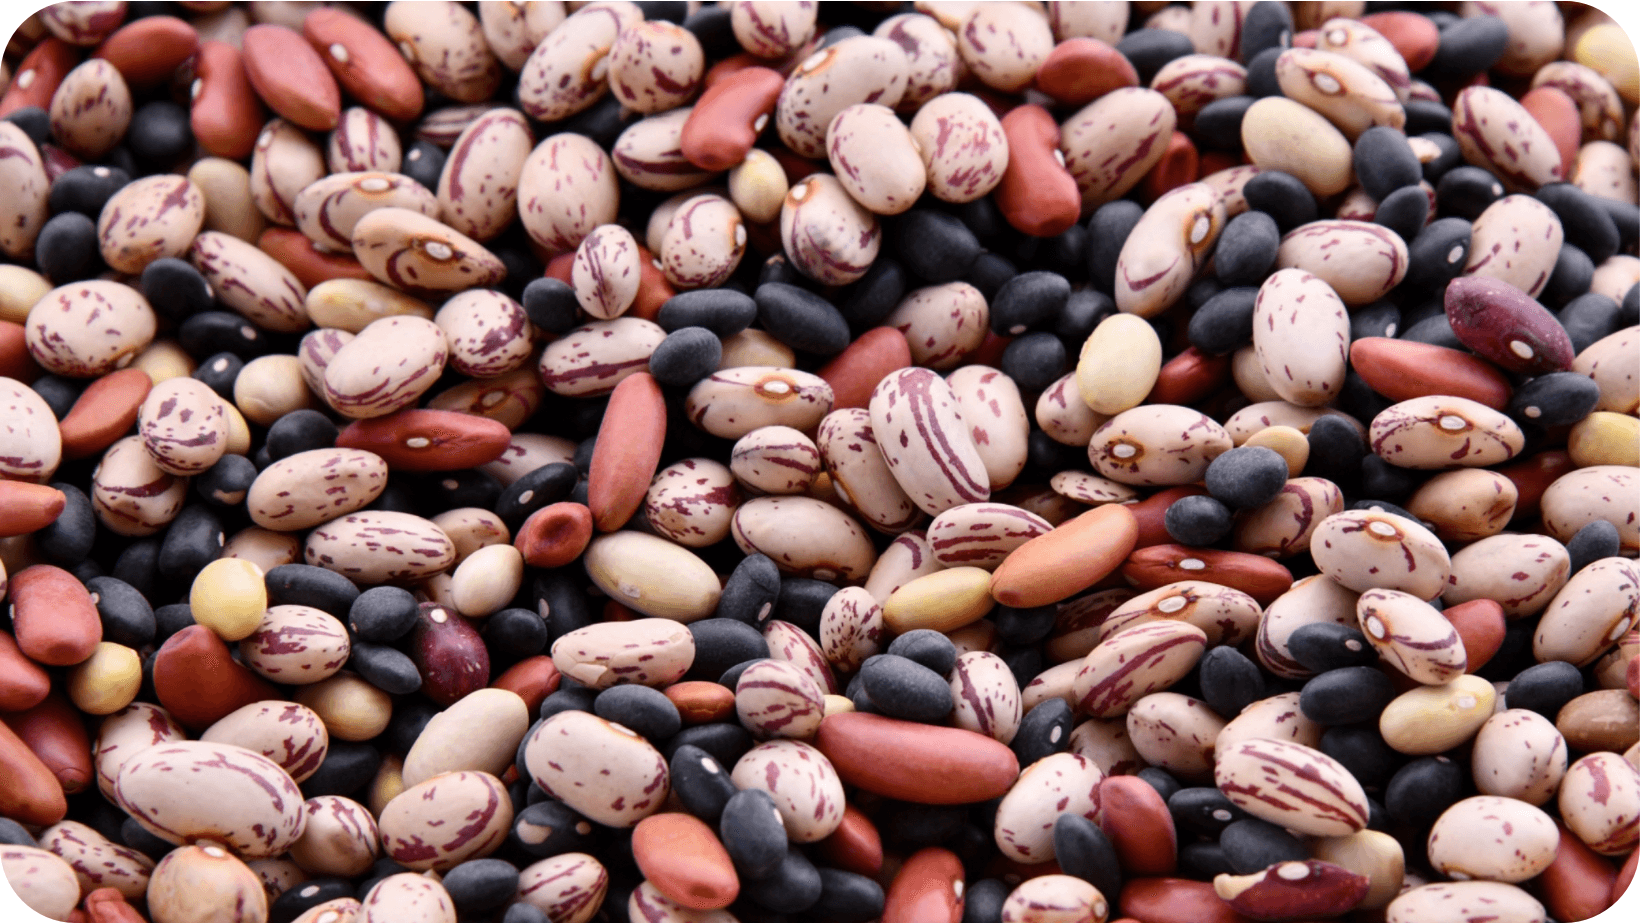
(848, 461)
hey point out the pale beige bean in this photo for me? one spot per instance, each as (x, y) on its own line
(1377, 257)
(184, 426)
(445, 44)
(1291, 785)
(859, 473)
(1317, 598)
(806, 789)
(1284, 526)
(269, 387)
(986, 694)
(1064, 415)
(1433, 719)
(1226, 615)
(826, 234)
(1282, 134)
(875, 158)
(1165, 248)
(97, 861)
(933, 62)
(410, 251)
(487, 580)
(1494, 131)
(408, 897)
(1590, 614)
(296, 645)
(1493, 839)
(775, 460)
(1465, 504)
(702, 245)
(927, 445)
(568, 187)
(1597, 492)
(758, 186)
(1521, 572)
(91, 109)
(653, 576)
(1366, 549)
(733, 402)
(284, 162)
(1159, 444)
(341, 838)
(655, 66)
(1116, 369)
(992, 408)
(1412, 636)
(598, 768)
(488, 332)
(1459, 901)
(206, 883)
(907, 558)
(229, 205)
(568, 887)
(691, 502)
(1004, 44)
(351, 304)
(567, 72)
(606, 272)
(773, 29)
(1176, 733)
(1347, 92)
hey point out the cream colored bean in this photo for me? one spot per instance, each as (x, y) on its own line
(1350, 94)
(806, 789)
(1227, 616)
(1465, 504)
(1284, 526)
(445, 44)
(284, 162)
(97, 861)
(826, 234)
(1433, 719)
(351, 304)
(773, 29)
(775, 460)
(1282, 134)
(251, 282)
(478, 189)
(487, 580)
(653, 576)
(1493, 839)
(352, 546)
(1291, 785)
(363, 141)
(941, 323)
(207, 883)
(91, 109)
(1064, 415)
(237, 797)
(1520, 572)
(1056, 784)
(1511, 240)
(489, 333)
(594, 358)
(1366, 549)
(184, 426)
(1519, 755)
(153, 217)
(1165, 248)
(1497, 133)
(133, 496)
(995, 414)
(229, 206)
(859, 473)
(1590, 614)
(1412, 636)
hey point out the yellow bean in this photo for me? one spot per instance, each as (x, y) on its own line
(228, 597)
(106, 682)
(944, 601)
(1288, 442)
(1605, 438)
(351, 708)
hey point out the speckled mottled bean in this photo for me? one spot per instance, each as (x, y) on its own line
(1094, 140)
(610, 775)
(91, 109)
(445, 44)
(1521, 572)
(24, 212)
(1589, 614)
(489, 334)
(962, 146)
(806, 789)
(933, 63)
(284, 162)
(1291, 785)
(328, 209)
(1347, 92)
(131, 494)
(804, 536)
(89, 328)
(733, 402)
(826, 234)
(1497, 133)
(1441, 432)
(876, 158)
(859, 69)
(363, 141)
(410, 824)
(1516, 240)
(1158, 444)
(289, 734)
(594, 358)
(352, 546)
(237, 797)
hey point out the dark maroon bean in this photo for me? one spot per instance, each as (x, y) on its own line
(449, 653)
(1507, 326)
(1281, 196)
(1230, 681)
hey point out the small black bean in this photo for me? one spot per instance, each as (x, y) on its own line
(1261, 74)
(1224, 323)
(1596, 540)
(300, 431)
(1384, 162)
(482, 884)
(551, 305)
(721, 643)
(543, 487)
(567, 699)
(990, 272)
(801, 601)
(1403, 211)
(1204, 810)
(1465, 192)
(1378, 319)
(1028, 301)
(407, 723)
(1557, 399)
(524, 912)
(1328, 646)
(875, 295)
(1281, 196)
(1626, 216)
(1363, 752)
(1571, 277)
(220, 372)
(514, 633)
(1437, 255)
(934, 246)
(66, 249)
(724, 741)
(138, 565)
(1266, 24)
(1230, 681)
(1045, 729)
(69, 538)
(1160, 780)
(1587, 226)
(1246, 250)
(1082, 313)
(1544, 688)
(902, 688)
(1469, 46)
(86, 189)
(1252, 844)
(126, 616)
(171, 619)
(385, 668)
(348, 767)
(1589, 318)
(191, 541)
(1427, 115)
(1424, 788)
(1436, 330)
(34, 121)
(984, 899)
(1034, 361)
(321, 588)
(1346, 695)
(1024, 626)
(793, 886)
(1085, 851)
(801, 319)
(226, 483)
(701, 783)
(724, 312)
(1204, 860)
(1218, 124)
(1108, 230)
(1448, 155)
(1246, 476)
(1149, 49)
(916, 826)
(423, 162)
(159, 135)
(927, 647)
(645, 710)
(59, 393)
(453, 490)
(381, 614)
(686, 356)
(846, 896)
(209, 332)
(753, 833)
(549, 828)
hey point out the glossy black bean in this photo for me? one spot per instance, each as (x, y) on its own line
(567, 699)
(801, 319)
(686, 356)
(1204, 860)
(1281, 196)
(291, 903)
(348, 767)
(1363, 752)
(562, 600)
(545, 486)
(989, 273)
(1246, 251)
(514, 633)
(753, 834)
(34, 121)
(1203, 810)
(1084, 850)
(549, 828)
(1230, 681)
(86, 189)
(1034, 361)
(1252, 844)
(1024, 662)
(226, 483)
(453, 490)
(384, 667)
(1046, 457)
(408, 721)
(1328, 646)
(1544, 688)
(1403, 211)
(724, 312)
(1589, 318)
(1558, 399)
(1346, 695)
(1384, 161)
(1571, 277)
(701, 784)
(1082, 313)
(1160, 780)
(159, 135)
(1336, 450)
(308, 585)
(300, 431)
(750, 592)
(1149, 49)
(191, 541)
(125, 614)
(801, 601)
(726, 741)
(1045, 729)
(1596, 540)
(1424, 788)
(1225, 323)
(171, 619)
(904, 689)
(59, 393)
(916, 826)
(934, 246)
(551, 305)
(1469, 46)
(1465, 192)
(219, 372)
(482, 884)
(423, 162)
(1028, 301)
(1197, 520)
(1024, 626)
(1266, 24)
(1586, 225)
(1379, 319)
(927, 647)
(66, 249)
(645, 710)
(1448, 154)
(846, 896)
(381, 614)
(1437, 255)
(69, 538)
(1108, 230)
(1261, 74)
(721, 643)
(1246, 476)
(865, 303)
(209, 332)
(792, 886)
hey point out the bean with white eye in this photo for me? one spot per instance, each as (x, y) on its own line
(1164, 249)
(1366, 46)
(703, 243)
(327, 210)
(1412, 636)
(1157, 444)
(1442, 431)
(1344, 90)
(1366, 549)
(605, 273)
(567, 72)
(1589, 615)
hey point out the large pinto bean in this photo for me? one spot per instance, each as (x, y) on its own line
(598, 768)
(411, 824)
(233, 796)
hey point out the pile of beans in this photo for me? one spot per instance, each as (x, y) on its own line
(665, 461)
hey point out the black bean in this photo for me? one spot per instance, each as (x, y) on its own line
(1557, 399)
(984, 219)
(726, 742)
(686, 356)
(1197, 520)
(1218, 124)
(1589, 318)
(1246, 476)
(543, 487)
(1203, 810)
(1336, 449)
(1281, 196)
(1266, 24)
(1328, 646)
(321, 588)
(801, 319)
(1028, 301)
(1252, 844)
(1024, 626)
(1045, 729)
(1403, 211)
(1082, 313)
(724, 312)
(1024, 663)
(159, 135)
(875, 295)
(1225, 323)
(300, 431)
(916, 826)
(297, 899)
(220, 372)
(34, 121)
(1034, 361)
(348, 767)
(1469, 46)
(58, 393)
(934, 246)
(551, 305)
(69, 538)
(1626, 216)
(1204, 860)
(721, 643)
(1448, 155)
(86, 189)
(1149, 49)
(1346, 695)
(846, 896)
(1384, 162)
(1085, 851)
(1046, 456)
(1363, 752)
(1596, 540)
(645, 710)
(701, 784)
(385, 667)
(984, 899)
(1465, 192)
(453, 490)
(407, 723)
(66, 249)
(902, 688)
(567, 699)
(479, 885)
(1436, 330)
(930, 648)
(1587, 226)
(1246, 250)
(563, 602)
(191, 541)
(1160, 780)
(989, 273)
(1427, 115)
(513, 634)
(423, 162)
(138, 565)
(226, 482)
(1108, 230)
(171, 619)
(126, 616)
(1438, 254)
(1378, 319)
(1261, 74)
(793, 886)
(1424, 788)
(1230, 681)
(524, 912)
(549, 828)
(209, 332)
(1571, 277)
(1544, 688)
(753, 833)
(801, 602)
(142, 840)
(381, 614)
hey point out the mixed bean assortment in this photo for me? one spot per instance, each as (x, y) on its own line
(665, 461)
